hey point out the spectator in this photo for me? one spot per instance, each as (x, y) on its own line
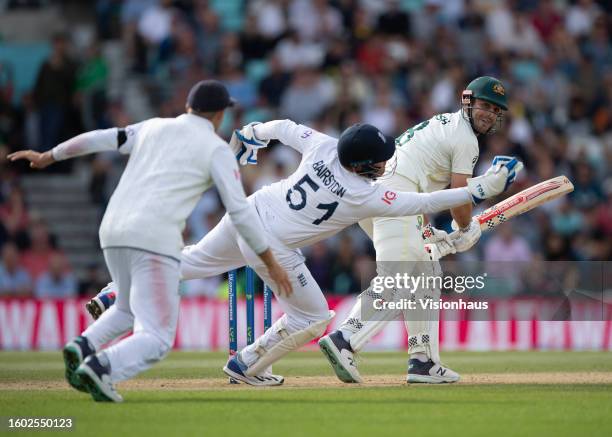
(295, 52)
(581, 16)
(91, 84)
(274, 84)
(587, 191)
(14, 216)
(394, 21)
(344, 276)
(506, 255)
(307, 96)
(546, 19)
(319, 264)
(315, 19)
(57, 282)
(567, 221)
(54, 94)
(270, 18)
(14, 279)
(95, 280)
(37, 258)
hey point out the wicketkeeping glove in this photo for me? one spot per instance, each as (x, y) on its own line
(245, 144)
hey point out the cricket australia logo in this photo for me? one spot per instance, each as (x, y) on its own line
(498, 88)
(420, 222)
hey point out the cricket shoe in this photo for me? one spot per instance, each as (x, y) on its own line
(96, 378)
(74, 353)
(429, 372)
(340, 355)
(101, 302)
(236, 369)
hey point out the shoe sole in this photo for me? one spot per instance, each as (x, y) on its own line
(72, 361)
(330, 351)
(93, 309)
(425, 379)
(95, 386)
(238, 377)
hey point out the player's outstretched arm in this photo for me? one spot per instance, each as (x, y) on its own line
(297, 136)
(492, 183)
(100, 140)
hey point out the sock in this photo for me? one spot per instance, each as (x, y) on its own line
(103, 358)
(346, 334)
(421, 356)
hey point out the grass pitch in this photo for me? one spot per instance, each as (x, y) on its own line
(501, 393)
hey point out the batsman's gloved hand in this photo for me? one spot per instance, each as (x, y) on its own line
(438, 243)
(504, 159)
(245, 144)
(465, 238)
(495, 181)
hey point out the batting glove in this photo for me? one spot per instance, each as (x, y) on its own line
(495, 181)
(503, 159)
(438, 243)
(467, 237)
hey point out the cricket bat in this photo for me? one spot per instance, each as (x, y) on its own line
(524, 201)
(515, 205)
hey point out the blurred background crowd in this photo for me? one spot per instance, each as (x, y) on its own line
(71, 66)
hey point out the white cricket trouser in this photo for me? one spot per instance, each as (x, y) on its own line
(399, 249)
(147, 303)
(222, 249)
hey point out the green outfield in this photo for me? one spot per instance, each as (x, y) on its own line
(502, 393)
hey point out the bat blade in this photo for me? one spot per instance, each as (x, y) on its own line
(524, 201)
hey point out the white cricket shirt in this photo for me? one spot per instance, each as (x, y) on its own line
(429, 152)
(172, 162)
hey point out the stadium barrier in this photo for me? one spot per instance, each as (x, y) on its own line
(32, 324)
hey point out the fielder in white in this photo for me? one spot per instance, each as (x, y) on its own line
(436, 153)
(331, 189)
(172, 162)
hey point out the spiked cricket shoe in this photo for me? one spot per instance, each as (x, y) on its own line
(429, 372)
(341, 357)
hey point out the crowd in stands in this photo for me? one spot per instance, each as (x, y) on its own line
(328, 64)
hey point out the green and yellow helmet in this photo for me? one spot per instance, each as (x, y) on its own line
(485, 88)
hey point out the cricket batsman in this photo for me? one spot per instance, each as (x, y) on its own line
(332, 188)
(432, 155)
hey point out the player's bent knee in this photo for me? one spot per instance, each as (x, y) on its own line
(157, 348)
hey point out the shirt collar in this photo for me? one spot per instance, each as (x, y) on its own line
(197, 119)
